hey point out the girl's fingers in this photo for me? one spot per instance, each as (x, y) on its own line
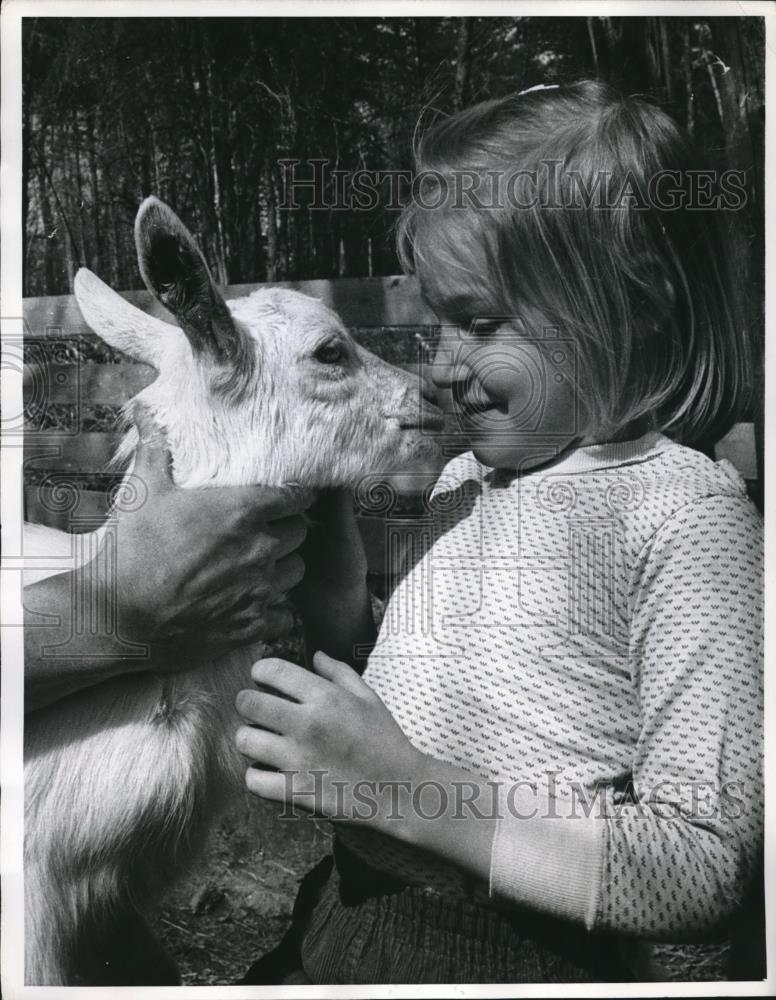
(263, 747)
(267, 784)
(286, 678)
(339, 673)
(276, 785)
(266, 710)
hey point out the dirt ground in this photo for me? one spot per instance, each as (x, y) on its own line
(236, 902)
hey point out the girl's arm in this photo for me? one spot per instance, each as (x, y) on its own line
(333, 598)
(341, 624)
(678, 861)
(340, 753)
(672, 861)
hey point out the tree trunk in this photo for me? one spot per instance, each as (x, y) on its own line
(593, 45)
(420, 33)
(213, 156)
(48, 224)
(665, 58)
(739, 45)
(272, 222)
(689, 89)
(113, 242)
(463, 62)
(26, 181)
(92, 128)
(78, 226)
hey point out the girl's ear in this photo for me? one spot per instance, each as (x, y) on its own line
(174, 270)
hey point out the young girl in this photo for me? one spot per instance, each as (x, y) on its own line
(555, 748)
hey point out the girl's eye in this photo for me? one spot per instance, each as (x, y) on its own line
(330, 354)
(483, 327)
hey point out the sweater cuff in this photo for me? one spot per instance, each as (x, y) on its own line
(549, 856)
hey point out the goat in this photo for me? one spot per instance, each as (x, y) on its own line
(123, 780)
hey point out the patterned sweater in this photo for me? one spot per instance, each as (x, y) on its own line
(588, 636)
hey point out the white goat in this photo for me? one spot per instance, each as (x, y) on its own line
(122, 780)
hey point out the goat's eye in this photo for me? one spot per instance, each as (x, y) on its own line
(330, 354)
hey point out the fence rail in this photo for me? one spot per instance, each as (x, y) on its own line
(361, 302)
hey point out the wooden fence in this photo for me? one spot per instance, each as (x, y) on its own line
(74, 386)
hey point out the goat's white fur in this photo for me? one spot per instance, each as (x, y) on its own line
(122, 780)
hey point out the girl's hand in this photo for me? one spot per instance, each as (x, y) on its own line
(331, 732)
(327, 743)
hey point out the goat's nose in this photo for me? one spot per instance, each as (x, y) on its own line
(428, 389)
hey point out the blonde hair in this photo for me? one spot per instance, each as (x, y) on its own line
(573, 227)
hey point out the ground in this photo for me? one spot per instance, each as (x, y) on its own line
(236, 902)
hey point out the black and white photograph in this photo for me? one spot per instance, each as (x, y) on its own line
(384, 454)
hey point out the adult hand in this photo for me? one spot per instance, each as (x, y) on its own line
(207, 569)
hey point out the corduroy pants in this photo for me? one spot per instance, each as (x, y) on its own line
(354, 925)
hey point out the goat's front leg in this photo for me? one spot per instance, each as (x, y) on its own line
(107, 945)
(124, 953)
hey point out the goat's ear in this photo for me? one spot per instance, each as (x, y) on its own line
(175, 271)
(120, 324)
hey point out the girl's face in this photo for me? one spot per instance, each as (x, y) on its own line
(510, 395)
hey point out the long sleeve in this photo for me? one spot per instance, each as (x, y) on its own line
(670, 859)
(679, 865)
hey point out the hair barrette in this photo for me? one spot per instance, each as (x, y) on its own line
(539, 86)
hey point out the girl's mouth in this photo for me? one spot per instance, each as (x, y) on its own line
(473, 408)
(467, 401)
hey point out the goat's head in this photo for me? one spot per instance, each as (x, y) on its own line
(268, 388)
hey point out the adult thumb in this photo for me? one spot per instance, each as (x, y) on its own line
(152, 457)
